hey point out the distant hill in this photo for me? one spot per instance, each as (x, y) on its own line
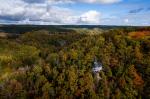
(19, 29)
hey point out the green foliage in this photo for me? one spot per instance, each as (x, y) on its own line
(27, 55)
(59, 66)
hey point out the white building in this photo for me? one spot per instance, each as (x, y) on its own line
(97, 67)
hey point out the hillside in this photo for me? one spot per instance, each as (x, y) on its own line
(102, 65)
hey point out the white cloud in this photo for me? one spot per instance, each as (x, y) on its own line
(100, 1)
(86, 1)
(60, 1)
(43, 13)
(126, 20)
(90, 17)
(11, 8)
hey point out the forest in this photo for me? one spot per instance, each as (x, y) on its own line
(75, 63)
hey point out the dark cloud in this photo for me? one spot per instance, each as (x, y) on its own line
(136, 10)
(34, 1)
(17, 17)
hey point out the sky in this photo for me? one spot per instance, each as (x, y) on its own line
(75, 12)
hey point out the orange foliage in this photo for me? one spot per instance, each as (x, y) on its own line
(113, 62)
(140, 34)
(79, 92)
(122, 82)
(137, 79)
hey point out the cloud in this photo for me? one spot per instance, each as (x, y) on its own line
(101, 1)
(90, 17)
(34, 1)
(136, 10)
(126, 20)
(136, 19)
(48, 1)
(47, 12)
(86, 1)
(19, 11)
(10, 10)
(139, 19)
(61, 1)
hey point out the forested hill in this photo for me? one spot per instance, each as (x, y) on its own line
(113, 64)
(19, 29)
